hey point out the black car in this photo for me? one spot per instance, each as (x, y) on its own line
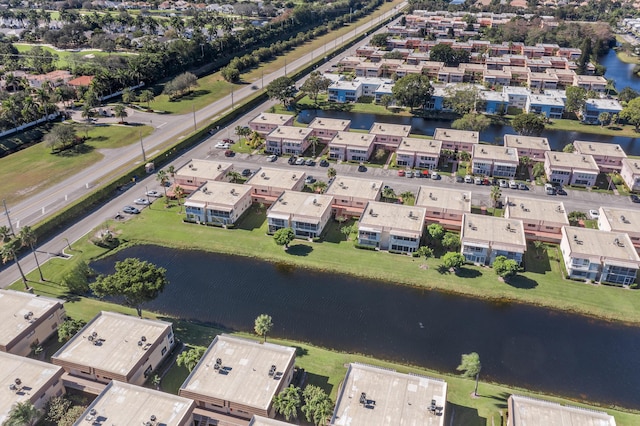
(292, 160)
(635, 198)
(246, 173)
(324, 163)
(561, 191)
(362, 168)
(459, 179)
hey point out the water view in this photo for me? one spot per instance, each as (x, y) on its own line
(523, 346)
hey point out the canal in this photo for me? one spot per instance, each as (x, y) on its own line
(523, 346)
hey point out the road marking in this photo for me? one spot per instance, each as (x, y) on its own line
(162, 125)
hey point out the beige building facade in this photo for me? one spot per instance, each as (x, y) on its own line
(267, 184)
(218, 203)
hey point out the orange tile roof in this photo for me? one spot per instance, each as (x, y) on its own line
(83, 80)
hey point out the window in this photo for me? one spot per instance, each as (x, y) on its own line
(147, 372)
(164, 351)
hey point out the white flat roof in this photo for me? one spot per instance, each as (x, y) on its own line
(599, 243)
(276, 178)
(345, 186)
(421, 146)
(393, 399)
(246, 364)
(536, 209)
(290, 133)
(527, 142)
(118, 336)
(452, 135)
(536, 412)
(545, 99)
(126, 404)
(622, 220)
(204, 169)
(345, 85)
(444, 198)
(386, 129)
(599, 148)
(31, 373)
(491, 229)
(572, 161)
(301, 204)
(363, 140)
(393, 216)
(495, 153)
(15, 305)
(265, 421)
(633, 164)
(604, 104)
(330, 123)
(219, 194)
(273, 119)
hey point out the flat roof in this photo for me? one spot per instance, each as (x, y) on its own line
(536, 209)
(393, 216)
(19, 310)
(301, 204)
(516, 90)
(493, 229)
(386, 129)
(291, 132)
(329, 123)
(265, 421)
(219, 194)
(529, 411)
(277, 178)
(353, 139)
(599, 148)
(393, 399)
(444, 198)
(633, 164)
(545, 99)
(598, 243)
(452, 135)
(118, 336)
(604, 104)
(622, 220)
(273, 119)
(571, 160)
(345, 85)
(246, 364)
(495, 153)
(421, 146)
(204, 169)
(527, 142)
(33, 374)
(345, 186)
(126, 404)
(591, 79)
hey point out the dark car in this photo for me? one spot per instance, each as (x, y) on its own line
(324, 163)
(362, 168)
(228, 153)
(310, 162)
(130, 210)
(635, 198)
(229, 141)
(459, 179)
(291, 160)
(561, 191)
(246, 173)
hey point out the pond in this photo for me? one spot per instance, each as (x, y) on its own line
(493, 134)
(620, 72)
(524, 346)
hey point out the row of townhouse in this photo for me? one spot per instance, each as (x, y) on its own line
(234, 382)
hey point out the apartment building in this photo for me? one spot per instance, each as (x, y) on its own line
(351, 146)
(486, 237)
(496, 161)
(524, 410)
(608, 156)
(192, 175)
(627, 221)
(444, 206)
(456, 140)
(288, 140)
(218, 203)
(542, 218)
(326, 129)
(267, 122)
(307, 214)
(419, 153)
(351, 195)
(267, 184)
(592, 108)
(549, 106)
(393, 227)
(570, 169)
(528, 146)
(389, 135)
(630, 173)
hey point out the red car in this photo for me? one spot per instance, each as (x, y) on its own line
(228, 153)
(401, 173)
(229, 141)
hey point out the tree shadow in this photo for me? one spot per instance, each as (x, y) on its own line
(538, 264)
(190, 96)
(521, 282)
(443, 270)
(300, 352)
(468, 273)
(252, 219)
(320, 381)
(76, 150)
(463, 416)
(300, 250)
(98, 139)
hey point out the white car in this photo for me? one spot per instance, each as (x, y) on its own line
(594, 214)
(142, 201)
(503, 183)
(154, 194)
(222, 145)
(513, 184)
(272, 158)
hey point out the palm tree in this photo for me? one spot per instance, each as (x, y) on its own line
(146, 96)
(539, 246)
(23, 414)
(9, 251)
(314, 140)
(319, 186)
(388, 193)
(120, 112)
(161, 177)
(263, 325)
(5, 233)
(87, 112)
(407, 195)
(28, 239)
(331, 172)
(495, 195)
(470, 367)
(287, 402)
(234, 176)
(179, 193)
(172, 171)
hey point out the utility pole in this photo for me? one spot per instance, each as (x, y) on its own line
(285, 67)
(193, 110)
(144, 155)
(232, 98)
(6, 212)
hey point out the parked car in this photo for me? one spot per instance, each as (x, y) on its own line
(523, 187)
(549, 189)
(324, 163)
(561, 191)
(435, 175)
(513, 184)
(635, 198)
(503, 183)
(130, 210)
(222, 145)
(468, 179)
(594, 214)
(292, 160)
(142, 201)
(310, 162)
(300, 161)
(272, 158)
(362, 168)
(228, 153)
(477, 180)
(246, 172)
(401, 173)
(229, 141)
(409, 173)
(155, 194)
(459, 179)
(309, 180)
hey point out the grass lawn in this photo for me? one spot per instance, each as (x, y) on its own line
(576, 126)
(323, 104)
(39, 169)
(327, 368)
(66, 58)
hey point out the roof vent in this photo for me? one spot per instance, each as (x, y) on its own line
(272, 371)
(233, 191)
(315, 201)
(293, 177)
(263, 174)
(143, 338)
(190, 165)
(219, 166)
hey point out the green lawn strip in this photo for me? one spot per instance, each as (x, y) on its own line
(39, 169)
(576, 126)
(66, 57)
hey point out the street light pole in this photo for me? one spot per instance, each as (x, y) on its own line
(146, 193)
(6, 212)
(68, 245)
(232, 98)
(193, 110)
(285, 67)
(144, 155)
